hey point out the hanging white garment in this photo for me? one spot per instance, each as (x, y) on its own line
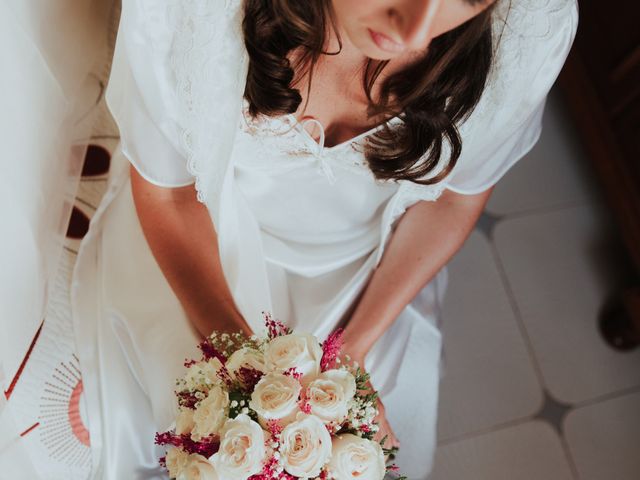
(48, 50)
(300, 227)
(40, 89)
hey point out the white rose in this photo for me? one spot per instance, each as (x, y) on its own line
(299, 351)
(242, 449)
(198, 468)
(247, 358)
(275, 397)
(356, 457)
(203, 375)
(211, 413)
(176, 461)
(305, 446)
(329, 395)
(184, 421)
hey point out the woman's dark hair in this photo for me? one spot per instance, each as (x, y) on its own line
(432, 96)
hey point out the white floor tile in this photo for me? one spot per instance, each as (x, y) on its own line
(489, 376)
(555, 172)
(561, 267)
(530, 451)
(603, 439)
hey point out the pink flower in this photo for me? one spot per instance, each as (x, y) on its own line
(209, 351)
(331, 350)
(275, 328)
(206, 446)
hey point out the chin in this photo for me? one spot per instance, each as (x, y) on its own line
(375, 54)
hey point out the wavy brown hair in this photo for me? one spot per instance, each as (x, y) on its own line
(431, 96)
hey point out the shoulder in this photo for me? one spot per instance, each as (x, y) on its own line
(533, 23)
(191, 52)
(534, 18)
(184, 61)
(163, 20)
(532, 39)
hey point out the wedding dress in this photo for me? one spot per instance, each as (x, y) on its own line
(300, 225)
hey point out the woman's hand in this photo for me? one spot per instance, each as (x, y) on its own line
(385, 427)
(383, 423)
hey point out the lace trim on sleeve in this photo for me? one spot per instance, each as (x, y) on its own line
(208, 62)
(519, 28)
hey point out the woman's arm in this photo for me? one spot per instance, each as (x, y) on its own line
(427, 236)
(182, 238)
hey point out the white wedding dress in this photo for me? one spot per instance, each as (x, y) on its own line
(301, 226)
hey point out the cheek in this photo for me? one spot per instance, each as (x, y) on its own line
(354, 17)
(451, 16)
(353, 13)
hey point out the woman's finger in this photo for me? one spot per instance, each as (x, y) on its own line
(385, 428)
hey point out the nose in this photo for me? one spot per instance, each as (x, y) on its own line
(414, 21)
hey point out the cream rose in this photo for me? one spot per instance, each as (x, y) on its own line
(242, 449)
(275, 397)
(296, 350)
(247, 358)
(329, 395)
(184, 421)
(176, 461)
(305, 446)
(356, 457)
(198, 468)
(203, 375)
(211, 413)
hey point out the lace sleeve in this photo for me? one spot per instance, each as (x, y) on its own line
(140, 100)
(533, 39)
(175, 83)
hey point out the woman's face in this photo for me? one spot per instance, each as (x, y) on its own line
(386, 29)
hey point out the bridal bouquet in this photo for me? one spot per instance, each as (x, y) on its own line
(281, 407)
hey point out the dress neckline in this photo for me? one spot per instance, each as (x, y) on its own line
(320, 144)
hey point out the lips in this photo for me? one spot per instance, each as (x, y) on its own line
(385, 43)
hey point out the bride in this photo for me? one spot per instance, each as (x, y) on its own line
(320, 160)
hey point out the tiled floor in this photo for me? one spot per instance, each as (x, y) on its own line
(481, 332)
(531, 390)
(526, 451)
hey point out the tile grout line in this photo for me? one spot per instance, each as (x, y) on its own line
(487, 430)
(607, 397)
(505, 280)
(511, 424)
(568, 455)
(527, 339)
(516, 311)
(533, 418)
